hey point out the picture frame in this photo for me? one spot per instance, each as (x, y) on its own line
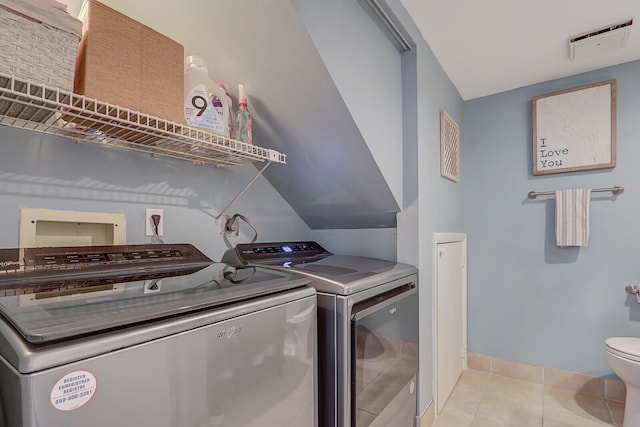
(575, 129)
(449, 147)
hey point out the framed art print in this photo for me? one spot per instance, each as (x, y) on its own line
(575, 129)
(449, 147)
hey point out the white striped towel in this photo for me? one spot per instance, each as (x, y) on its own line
(572, 217)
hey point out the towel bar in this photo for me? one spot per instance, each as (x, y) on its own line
(618, 189)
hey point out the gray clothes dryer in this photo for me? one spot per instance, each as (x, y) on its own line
(367, 330)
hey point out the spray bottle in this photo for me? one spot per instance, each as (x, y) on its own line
(243, 128)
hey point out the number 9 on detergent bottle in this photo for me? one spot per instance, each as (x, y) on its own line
(198, 108)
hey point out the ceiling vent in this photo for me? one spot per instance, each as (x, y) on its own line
(601, 40)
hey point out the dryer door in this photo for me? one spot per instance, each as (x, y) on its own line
(384, 363)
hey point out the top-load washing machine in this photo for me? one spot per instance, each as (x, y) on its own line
(152, 336)
(367, 330)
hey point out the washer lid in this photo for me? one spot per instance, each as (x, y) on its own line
(72, 305)
(627, 347)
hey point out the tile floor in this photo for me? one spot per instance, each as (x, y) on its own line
(480, 399)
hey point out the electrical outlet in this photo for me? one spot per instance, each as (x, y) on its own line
(228, 228)
(148, 221)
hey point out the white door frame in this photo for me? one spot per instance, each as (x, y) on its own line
(437, 239)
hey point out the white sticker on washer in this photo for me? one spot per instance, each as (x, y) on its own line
(73, 390)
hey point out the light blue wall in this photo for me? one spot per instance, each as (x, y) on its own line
(368, 242)
(366, 69)
(530, 301)
(432, 204)
(371, 79)
(41, 171)
(440, 201)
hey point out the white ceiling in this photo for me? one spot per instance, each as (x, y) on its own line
(491, 46)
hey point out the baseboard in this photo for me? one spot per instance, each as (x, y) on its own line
(608, 389)
(428, 417)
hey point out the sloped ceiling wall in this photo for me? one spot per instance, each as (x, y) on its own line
(331, 178)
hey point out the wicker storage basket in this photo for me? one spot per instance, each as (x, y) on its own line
(36, 51)
(32, 50)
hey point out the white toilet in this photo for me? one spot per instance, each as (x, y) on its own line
(623, 355)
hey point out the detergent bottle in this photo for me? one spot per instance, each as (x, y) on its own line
(199, 111)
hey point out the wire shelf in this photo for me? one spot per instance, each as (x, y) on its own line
(33, 106)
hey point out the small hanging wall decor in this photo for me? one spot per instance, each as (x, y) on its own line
(575, 129)
(449, 147)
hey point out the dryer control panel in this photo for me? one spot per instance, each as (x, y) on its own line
(272, 253)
